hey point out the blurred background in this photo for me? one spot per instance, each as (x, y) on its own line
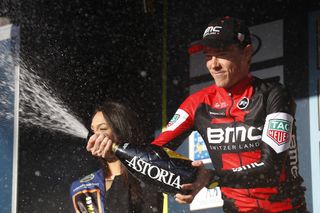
(132, 51)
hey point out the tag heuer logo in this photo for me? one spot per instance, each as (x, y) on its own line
(278, 131)
(173, 119)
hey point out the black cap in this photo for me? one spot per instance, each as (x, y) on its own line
(225, 31)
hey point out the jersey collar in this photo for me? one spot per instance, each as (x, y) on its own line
(240, 87)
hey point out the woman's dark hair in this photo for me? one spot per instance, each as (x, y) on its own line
(123, 121)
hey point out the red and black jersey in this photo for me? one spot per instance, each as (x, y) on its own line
(249, 132)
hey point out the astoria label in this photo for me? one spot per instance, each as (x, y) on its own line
(154, 172)
(154, 165)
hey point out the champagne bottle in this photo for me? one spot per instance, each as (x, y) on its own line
(157, 166)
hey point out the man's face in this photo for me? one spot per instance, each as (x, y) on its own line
(228, 65)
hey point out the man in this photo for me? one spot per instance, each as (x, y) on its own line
(247, 125)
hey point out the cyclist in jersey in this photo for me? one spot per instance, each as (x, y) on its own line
(247, 125)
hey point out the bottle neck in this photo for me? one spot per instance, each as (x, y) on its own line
(114, 147)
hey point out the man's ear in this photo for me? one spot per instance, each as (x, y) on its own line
(247, 51)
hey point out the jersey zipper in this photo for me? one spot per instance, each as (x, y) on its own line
(235, 135)
(234, 123)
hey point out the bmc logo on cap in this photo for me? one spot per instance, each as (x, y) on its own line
(212, 30)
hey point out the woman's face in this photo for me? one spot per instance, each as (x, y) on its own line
(99, 125)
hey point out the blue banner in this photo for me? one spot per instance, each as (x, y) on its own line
(9, 72)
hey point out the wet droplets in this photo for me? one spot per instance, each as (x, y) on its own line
(39, 106)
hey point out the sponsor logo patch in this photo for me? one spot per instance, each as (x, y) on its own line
(173, 119)
(88, 201)
(217, 113)
(212, 30)
(277, 131)
(220, 105)
(179, 117)
(87, 178)
(154, 172)
(243, 103)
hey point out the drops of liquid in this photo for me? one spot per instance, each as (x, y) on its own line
(38, 106)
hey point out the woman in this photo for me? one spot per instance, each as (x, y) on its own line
(113, 188)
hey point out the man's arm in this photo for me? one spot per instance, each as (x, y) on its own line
(179, 127)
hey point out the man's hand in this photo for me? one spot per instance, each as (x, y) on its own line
(100, 145)
(203, 177)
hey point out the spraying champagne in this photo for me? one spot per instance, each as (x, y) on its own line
(156, 165)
